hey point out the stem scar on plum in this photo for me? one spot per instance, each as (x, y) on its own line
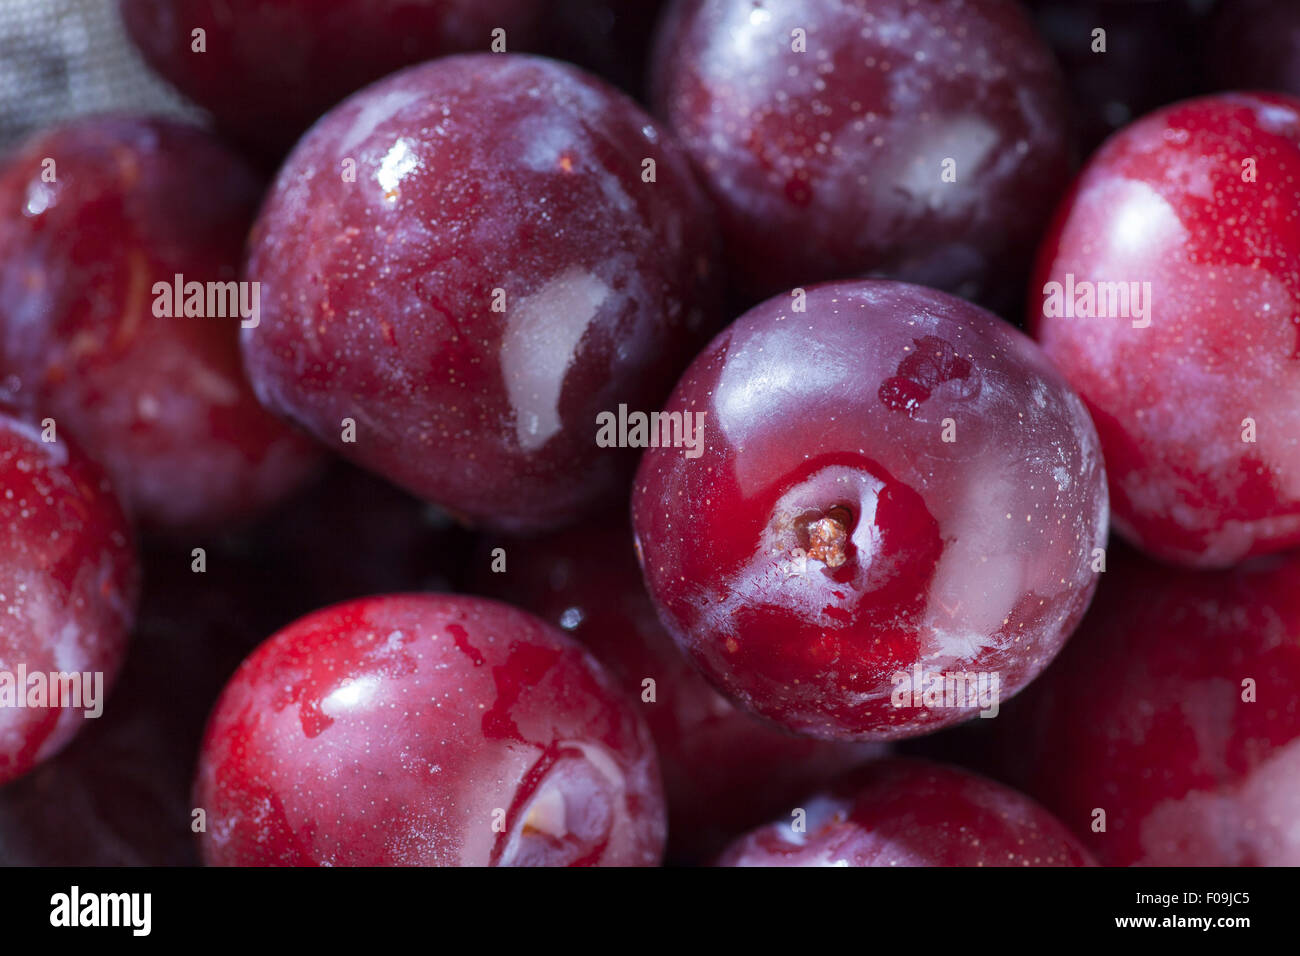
(825, 536)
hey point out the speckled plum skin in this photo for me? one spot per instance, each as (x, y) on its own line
(272, 67)
(1146, 717)
(900, 812)
(1166, 202)
(724, 770)
(829, 163)
(68, 585)
(398, 730)
(829, 542)
(161, 403)
(476, 174)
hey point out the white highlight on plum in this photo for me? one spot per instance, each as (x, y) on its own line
(396, 165)
(539, 345)
(349, 696)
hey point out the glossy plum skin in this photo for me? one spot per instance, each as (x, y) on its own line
(272, 67)
(161, 403)
(829, 163)
(1145, 717)
(1256, 45)
(397, 730)
(899, 812)
(1165, 202)
(475, 174)
(724, 771)
(828, 540)
(68, 587)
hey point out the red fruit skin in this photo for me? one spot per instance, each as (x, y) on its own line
(1144, 716)
(724, 770)
(478, 173)
(68, 586)
(829, 163)
(161, 403)
(271, 67)
(1164, 202)
(899, 812)
(396, 730)
(969, 556)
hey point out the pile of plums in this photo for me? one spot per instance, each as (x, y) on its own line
(386, 477)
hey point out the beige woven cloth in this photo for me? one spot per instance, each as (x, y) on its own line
(66, 58)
